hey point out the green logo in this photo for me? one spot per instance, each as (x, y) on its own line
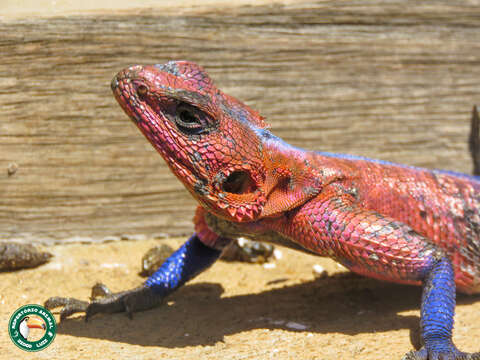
(32, 327)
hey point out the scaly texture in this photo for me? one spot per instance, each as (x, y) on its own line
(383, 220)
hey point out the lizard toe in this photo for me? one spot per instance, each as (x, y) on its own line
(100, 290)
(69, 305)
(423, 354)
(416, 355)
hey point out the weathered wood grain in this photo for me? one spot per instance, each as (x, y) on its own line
(393, 80)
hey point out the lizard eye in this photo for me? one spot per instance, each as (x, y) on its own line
(190, 120)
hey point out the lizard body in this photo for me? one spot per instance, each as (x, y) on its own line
(387, 221)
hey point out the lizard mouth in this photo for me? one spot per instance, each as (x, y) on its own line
(239, 182)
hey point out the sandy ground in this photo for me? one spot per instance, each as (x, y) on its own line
(232, 311)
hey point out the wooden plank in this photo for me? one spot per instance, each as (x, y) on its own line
(392, 80)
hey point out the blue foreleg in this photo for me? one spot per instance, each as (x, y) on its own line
(189, 260)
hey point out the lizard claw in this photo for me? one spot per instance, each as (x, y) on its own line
(423, 354)
(70, 305)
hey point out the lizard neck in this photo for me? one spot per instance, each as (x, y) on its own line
(291, 177)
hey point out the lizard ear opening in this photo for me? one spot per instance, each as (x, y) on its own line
(239, 182)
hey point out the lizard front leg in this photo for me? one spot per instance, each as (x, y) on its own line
(193, 257)
(381, 247)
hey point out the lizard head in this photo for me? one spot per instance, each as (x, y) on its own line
(208, 139)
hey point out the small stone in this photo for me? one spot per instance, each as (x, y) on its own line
(15, 256)
(154, 258)
(319, 271)
(241, 241)
(249, 251)
(12, 169)
(277, 254)
(296, 326)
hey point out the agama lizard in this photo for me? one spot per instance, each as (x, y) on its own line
(386, 221)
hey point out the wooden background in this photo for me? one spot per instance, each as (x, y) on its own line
(394, 80)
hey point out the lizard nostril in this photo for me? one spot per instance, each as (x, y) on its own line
(114, 83)
(142, 90)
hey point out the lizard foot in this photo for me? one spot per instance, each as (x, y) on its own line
(451, 354)
(104, 301)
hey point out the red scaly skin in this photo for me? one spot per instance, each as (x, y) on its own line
(377, 218)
